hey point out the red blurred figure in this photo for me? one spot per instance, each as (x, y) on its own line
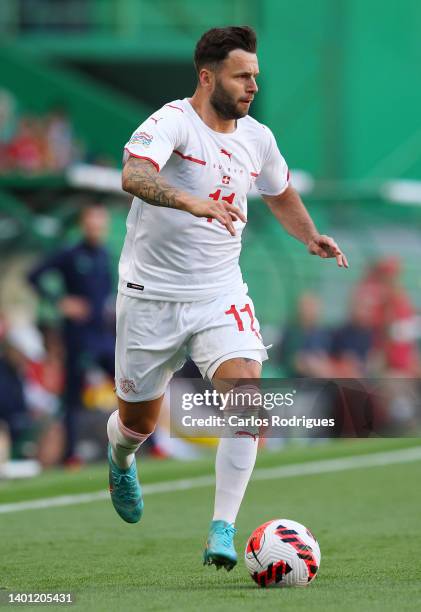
(25, 151)
(391, 316)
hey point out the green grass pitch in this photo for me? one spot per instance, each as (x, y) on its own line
(367, 521)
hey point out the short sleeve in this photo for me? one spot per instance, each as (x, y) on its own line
(274, 174)
(156, 138)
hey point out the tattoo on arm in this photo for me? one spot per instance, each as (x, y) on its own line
(141, 179)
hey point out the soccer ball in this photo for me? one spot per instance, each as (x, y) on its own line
(282, 553)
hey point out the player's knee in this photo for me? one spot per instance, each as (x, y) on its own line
(139, 425)
(240, 368)
(250, 368)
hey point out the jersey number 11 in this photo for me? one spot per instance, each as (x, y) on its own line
(215, 196)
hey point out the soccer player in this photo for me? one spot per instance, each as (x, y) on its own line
(189, 167)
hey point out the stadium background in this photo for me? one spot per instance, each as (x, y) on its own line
(340, 88)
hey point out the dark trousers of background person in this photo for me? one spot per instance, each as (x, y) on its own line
(83, 351)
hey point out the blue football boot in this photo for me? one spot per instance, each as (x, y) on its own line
(220, 549)
(126, 493)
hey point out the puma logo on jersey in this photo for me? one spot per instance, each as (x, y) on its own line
(224, 152)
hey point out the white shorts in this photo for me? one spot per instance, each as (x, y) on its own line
(154, 339)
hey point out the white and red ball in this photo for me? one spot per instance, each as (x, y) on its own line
(282, 553)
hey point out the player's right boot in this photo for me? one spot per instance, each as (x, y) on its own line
(220, 549)
(126, 493)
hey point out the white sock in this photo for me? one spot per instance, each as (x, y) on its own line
(124, 441)
(235, 459)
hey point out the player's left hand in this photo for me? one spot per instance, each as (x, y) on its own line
(326, 247)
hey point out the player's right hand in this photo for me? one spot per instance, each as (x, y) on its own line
(75, 308)
(223, 212)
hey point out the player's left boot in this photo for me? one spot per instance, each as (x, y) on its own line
(125, 490)
(220, 549)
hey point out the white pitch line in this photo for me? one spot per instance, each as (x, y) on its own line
(287, 471)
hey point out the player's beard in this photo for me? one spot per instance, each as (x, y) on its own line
(224, 104)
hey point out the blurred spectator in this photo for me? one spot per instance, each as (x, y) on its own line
(60, 140)
(353, 342)
(35, 144)
(13, 407)
(87, 335)
(392, 317)
(28, 409)
(372, 291)
(26, 149)
(305, 344)
(52, 372)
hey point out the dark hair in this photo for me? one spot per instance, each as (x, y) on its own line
(215, 44)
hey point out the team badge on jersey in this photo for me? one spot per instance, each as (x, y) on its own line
(127, 384)
(226, 180)
(141, 138)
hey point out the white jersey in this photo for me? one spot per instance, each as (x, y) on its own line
(170, 254)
